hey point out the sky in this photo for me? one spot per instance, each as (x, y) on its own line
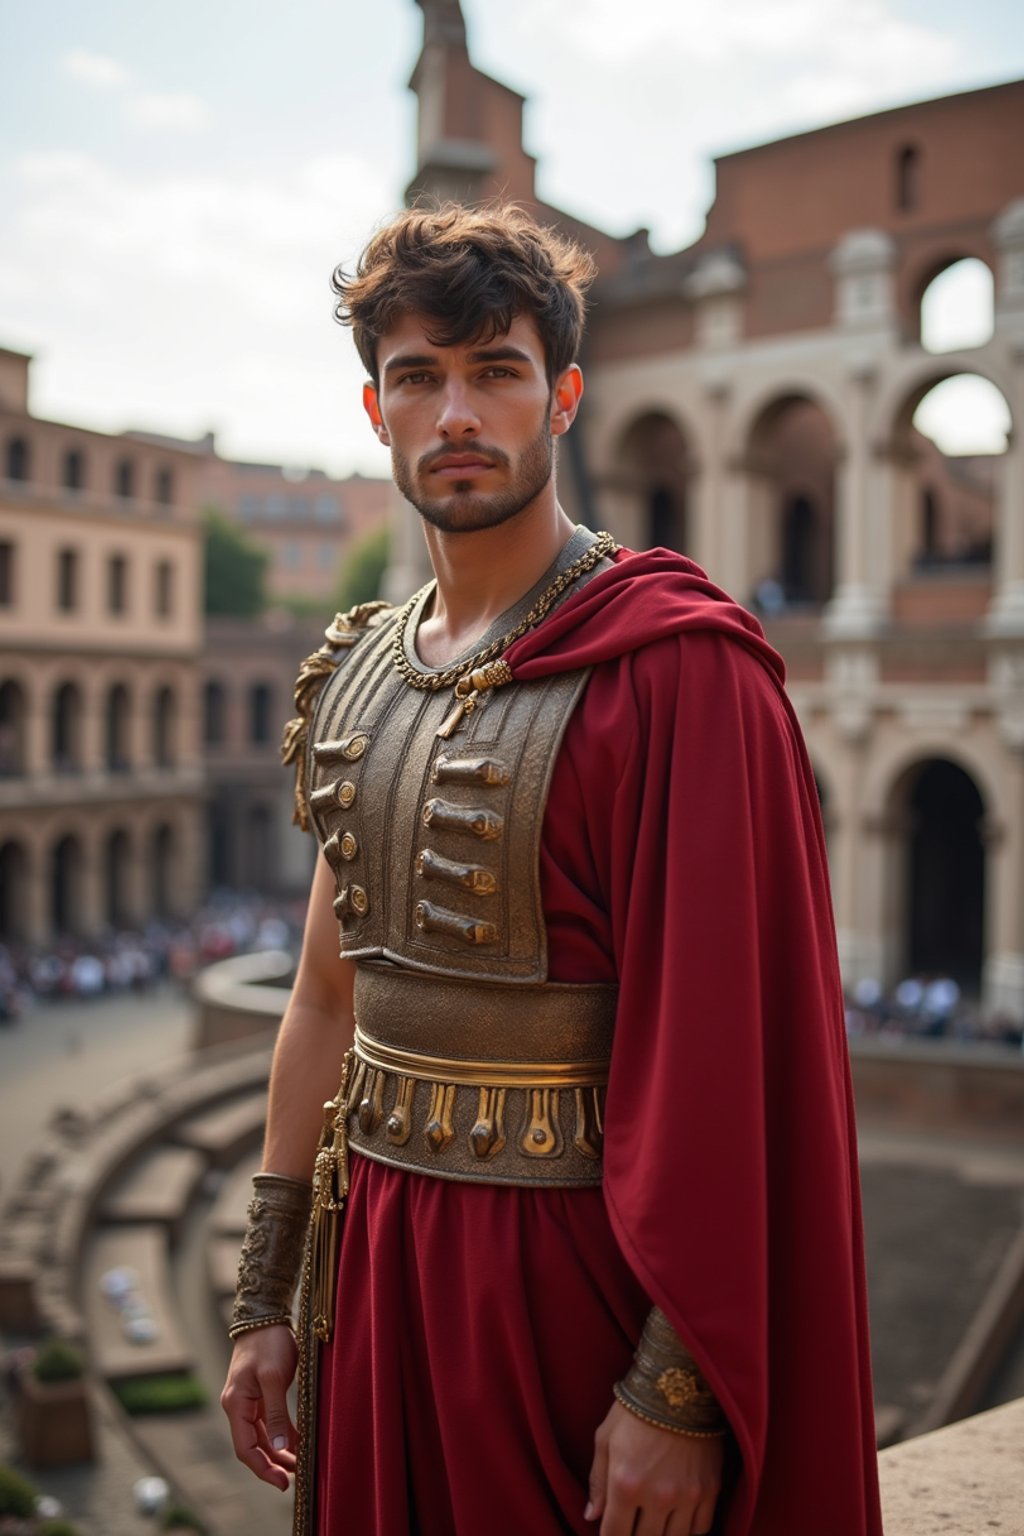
(177, 182)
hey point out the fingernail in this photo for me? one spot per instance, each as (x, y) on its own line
(588, 1513)
(279, 1442)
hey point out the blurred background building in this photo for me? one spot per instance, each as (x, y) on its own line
(751, 402)
(101, 779)
(758, 401)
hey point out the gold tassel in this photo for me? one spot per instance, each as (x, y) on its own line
(330, 1190)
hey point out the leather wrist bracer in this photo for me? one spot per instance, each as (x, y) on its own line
(664, 1386)
(271, 1253)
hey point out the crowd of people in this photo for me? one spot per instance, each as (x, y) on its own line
(161, 953)
(928, 1007)
(922, 1007)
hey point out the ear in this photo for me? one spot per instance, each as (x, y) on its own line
(565, 400)
(371, 405)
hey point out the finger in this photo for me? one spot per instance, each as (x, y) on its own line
(654, 1520)
(622, 1509)
(280, 1455)
(276, 1418)
(243, 1417)
(598, 1481)
(703, 1519)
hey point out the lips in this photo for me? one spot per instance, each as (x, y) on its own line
(456, 466)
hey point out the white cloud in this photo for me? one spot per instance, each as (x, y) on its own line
(94, 69)
(178, 302)
(168, 109)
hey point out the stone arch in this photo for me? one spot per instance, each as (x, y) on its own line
(118, 728)
(753, 410)
(791, 461)
(162, 869)
(165, 727)
(936, 871)
(885, 768)
(68, 719)
(261, 713)
(117, 861)
(14, 891)
(943, 509)
(931, 266)
(72, 469)
(13, 729)
(214, 712)
(258, 835)
(67, 878)
(654, 469)
(18, 458)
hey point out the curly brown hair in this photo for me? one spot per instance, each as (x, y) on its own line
(470, 271)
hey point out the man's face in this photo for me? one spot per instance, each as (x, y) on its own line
(470, 427)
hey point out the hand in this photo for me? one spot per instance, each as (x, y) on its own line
(255, 1401)
(647, 1481)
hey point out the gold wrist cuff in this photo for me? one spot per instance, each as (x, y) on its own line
(675, 1429)
(664, 1385)
(237, 1329)
(271, 1252)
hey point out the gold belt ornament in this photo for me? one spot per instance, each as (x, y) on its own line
(510, 1091)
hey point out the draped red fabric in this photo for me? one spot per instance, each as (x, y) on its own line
(481, 1328)
(730, 1158)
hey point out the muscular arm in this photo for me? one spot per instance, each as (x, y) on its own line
(315, 1033)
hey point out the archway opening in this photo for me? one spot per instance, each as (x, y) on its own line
(12, 729)
(948, 469)
(118, 721)
(261, 729)
(162, 871)
(66, 877)
(792, 461)
(214, 713)
(259, 863)
(656, 466)
(13, 893)
(957, 308)
(117, 855)
(944, 888)
(68, 713)
(165, 721)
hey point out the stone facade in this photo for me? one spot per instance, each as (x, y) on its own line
(750, 403)
(100, 632)
(249, 669)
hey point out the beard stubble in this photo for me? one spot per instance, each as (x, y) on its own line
(465, 510)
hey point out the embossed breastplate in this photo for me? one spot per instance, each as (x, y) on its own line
(435, 843)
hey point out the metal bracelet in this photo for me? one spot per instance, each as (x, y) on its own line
(665, 1386)
(271, 1257)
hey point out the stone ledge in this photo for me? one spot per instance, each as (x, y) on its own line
(959, 1480)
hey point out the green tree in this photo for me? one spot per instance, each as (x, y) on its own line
(363, 571)
(236, 568)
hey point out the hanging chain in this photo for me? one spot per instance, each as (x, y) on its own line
(604, 546)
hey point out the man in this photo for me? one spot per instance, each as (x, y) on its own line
(600, 1263)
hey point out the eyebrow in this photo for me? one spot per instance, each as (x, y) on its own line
(500, 354)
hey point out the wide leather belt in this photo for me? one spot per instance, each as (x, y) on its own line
(490, 1083)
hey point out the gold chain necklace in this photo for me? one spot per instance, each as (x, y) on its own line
(471, 676)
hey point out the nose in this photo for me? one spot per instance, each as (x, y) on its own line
(457, 419)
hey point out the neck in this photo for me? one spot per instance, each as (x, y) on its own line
(482, 574)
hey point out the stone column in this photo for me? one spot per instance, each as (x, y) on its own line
(709, 489)
(1006, 614)
(857, 607)
(1003, 979)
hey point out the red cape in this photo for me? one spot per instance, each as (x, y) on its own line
(730, 1159)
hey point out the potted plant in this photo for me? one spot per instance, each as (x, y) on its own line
(54, 1414)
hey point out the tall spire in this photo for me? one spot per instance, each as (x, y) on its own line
(443, 22)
